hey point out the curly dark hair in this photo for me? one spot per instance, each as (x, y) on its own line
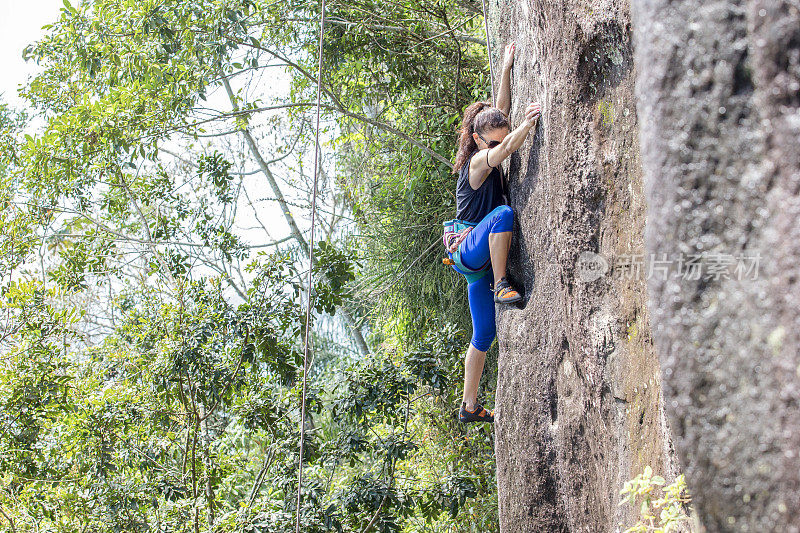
(479, 117)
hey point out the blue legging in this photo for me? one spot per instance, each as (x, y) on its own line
(474, 254)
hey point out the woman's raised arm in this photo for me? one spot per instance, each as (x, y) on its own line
(485, 159)
(504, 95)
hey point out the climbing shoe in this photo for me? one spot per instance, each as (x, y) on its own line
(504, 293)
(479, 414)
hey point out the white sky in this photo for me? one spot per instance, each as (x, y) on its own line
(20, 24)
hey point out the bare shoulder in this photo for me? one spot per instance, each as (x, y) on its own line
(479, 169)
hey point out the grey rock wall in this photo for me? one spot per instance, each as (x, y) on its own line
(718, 86)
(579, 404)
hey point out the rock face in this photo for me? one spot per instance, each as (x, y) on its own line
(579, 404)
(718, 85)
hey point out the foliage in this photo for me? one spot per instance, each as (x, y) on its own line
(152, 352)
(671, 506)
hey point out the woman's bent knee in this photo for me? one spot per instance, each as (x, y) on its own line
(503, 219)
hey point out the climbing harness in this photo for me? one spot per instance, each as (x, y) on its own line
(310, 268)
(452, 230)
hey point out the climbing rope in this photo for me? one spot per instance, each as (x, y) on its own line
(310, 266)
(489, 50)
(311, 243)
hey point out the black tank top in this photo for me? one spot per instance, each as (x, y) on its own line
(472, 205)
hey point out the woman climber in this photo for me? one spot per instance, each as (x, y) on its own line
(478, 240)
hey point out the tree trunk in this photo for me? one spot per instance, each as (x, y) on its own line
(719, 96)
(579, 405)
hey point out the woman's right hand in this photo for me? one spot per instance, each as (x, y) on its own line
(532, 113)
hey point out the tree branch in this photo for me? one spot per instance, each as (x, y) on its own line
(361, 343)
(426, 34)
(340, 107)
(273, 183)
(127, 238)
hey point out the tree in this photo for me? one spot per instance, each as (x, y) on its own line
(152, 350)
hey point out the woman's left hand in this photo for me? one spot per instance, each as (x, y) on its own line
(508, 59)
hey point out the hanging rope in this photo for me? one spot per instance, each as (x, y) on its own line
(489, 49)
(311, 243)
(310, 267)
